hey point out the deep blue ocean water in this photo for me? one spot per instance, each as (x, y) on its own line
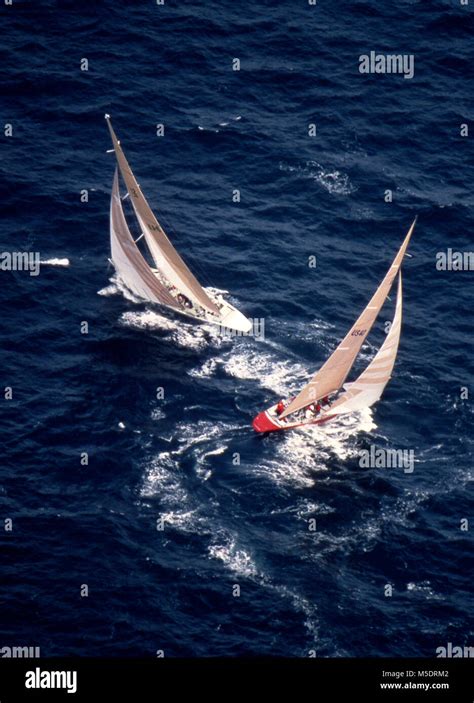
(229, 524)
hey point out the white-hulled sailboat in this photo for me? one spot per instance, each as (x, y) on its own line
(169, 282)
(327, 395)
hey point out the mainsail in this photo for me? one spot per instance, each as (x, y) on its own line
(164, 254)
(369, 386)
(128, 259)
(331, 376)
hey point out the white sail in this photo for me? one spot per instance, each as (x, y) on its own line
(332, 375)
(127, 258)
(164, 254)
(172, 281)
(369, 386)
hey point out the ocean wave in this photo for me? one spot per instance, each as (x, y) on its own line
(334, 181)
(235, 558)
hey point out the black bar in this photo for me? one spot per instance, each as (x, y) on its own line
(439, 680)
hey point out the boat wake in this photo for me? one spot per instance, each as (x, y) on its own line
(302, 457)
(277, 375)
(189, 508)
(305, 451)
(241, 563)
(235, 559)
(183, 333)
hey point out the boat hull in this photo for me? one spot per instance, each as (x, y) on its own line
(229, 319)
(266, 421)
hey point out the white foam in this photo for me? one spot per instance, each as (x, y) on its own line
(216, 291)
(332, 180)
(260, 365)
(241, 562)
(184, 520)
(305, 454)
(147, 320)
(116, 287)
(303, 605)
(243, 360)
(215, 452)
(424, 589)
(236, 559)
(202, 464)
(200, 433)
(108, 290)
(267, 361)
(55, 262)
(163, 479)
(183, 333)
(201, 128)
(207, 369)
(181, 509)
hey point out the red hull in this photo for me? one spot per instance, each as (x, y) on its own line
(264, 423)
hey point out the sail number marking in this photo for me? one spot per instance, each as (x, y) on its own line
(358, 333)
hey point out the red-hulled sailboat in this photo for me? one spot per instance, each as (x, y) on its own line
(327, 394)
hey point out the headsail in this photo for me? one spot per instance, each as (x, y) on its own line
(128, 259)
(369, 386)
(164, 254)
(334, 371)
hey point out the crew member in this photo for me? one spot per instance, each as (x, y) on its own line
(280, 407)
(185, 302)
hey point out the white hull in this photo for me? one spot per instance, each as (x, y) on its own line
(230, 317)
